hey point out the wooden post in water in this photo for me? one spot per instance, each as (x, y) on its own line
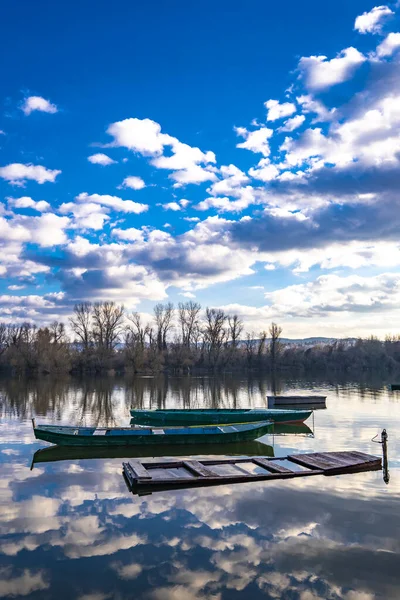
(385, 467)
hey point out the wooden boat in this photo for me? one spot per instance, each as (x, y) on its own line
(131, 436)
(145, 477)
(208, 416)
(309, 402)
(59, 453)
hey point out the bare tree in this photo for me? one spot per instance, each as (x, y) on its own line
(274, 344)
(214, 333)
(235, 329)
(58, 332)
(81, 323)
(261, 344)
(163, 315)
(138, 328)
(108, 320)
(3, 338)
(188, 321)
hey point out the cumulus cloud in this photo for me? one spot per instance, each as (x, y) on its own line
(372, 21)
(143, 136)
(255, 141)
(101, 159)
(174, 206)
(320, 73)
(277, 111)
(18, 173)
(27, 202)
(133, 182)
(38, 103)
(114, 202)
(389, 45)
(292, 124)
(87, 215)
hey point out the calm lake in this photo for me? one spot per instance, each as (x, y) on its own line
(71, 529)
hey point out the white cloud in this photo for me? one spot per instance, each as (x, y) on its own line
(174, 206)
(264, 171)
(371, 22)
(38, 103)
(86, 215)
(311, 105)
(292, 124)
(279, 111)
(389, 45)
(118, 204)
(139, 135)
(24, 584)
(232, 181)
(27, 202)
(144, 136)
(101, 159)
(191, 219)
(222, 205)
(129, 235)
(255, 141)
(320, 73)
(18, 173)
(133, 182)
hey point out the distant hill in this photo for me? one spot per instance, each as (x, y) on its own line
(311, 341)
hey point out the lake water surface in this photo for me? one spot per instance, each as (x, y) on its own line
(71, 529)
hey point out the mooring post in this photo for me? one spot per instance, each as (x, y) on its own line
(385, 467)
(33, 423)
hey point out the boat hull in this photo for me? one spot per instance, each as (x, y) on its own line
(216, 416)
(87, 436)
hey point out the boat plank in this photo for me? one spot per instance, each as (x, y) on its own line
(198, 469)
(270, 466)
(139, 470)
(331, 460)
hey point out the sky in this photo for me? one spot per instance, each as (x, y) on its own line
(244, 155)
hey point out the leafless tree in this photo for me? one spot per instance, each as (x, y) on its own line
(214, 333)
(58, 332)
(261, 344)
(3, 338)
(188, 315)
(163, 315)
(81, 323)
(235, 329)
(139, 330)
(108, 320)
(274, 344)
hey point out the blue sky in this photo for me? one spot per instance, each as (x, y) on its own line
(245, 155)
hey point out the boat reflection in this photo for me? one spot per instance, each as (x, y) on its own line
(58, 453)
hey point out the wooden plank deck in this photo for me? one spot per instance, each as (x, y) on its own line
(151, 476)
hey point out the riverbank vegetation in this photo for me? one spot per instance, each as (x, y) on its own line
(103, 338)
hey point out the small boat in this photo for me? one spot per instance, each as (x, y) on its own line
(65, 435)
(309, 402)
(208, 416)
(60, 453)
(146, 477)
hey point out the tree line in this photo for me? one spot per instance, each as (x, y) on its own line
(102, 337)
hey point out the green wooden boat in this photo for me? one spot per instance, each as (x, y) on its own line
(146, 436)
(208, 416)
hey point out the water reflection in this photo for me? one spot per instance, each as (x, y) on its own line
(70, 529)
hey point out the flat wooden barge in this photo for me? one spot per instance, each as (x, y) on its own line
(144, 477)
